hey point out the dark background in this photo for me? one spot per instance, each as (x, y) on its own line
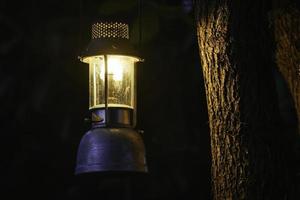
(44, 100)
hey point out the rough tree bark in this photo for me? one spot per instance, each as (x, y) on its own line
(286, 26)
(286, 21)
(248, 152)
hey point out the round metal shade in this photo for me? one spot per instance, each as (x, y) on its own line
(111, 150)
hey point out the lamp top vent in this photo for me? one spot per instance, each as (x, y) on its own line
(110, 30)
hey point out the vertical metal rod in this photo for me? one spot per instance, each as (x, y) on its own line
(140, 23)
(135, 95)
(94, 85)
(135, 64)
(80, 25)
(106, 89)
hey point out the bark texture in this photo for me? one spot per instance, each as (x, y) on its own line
(287, 35)
(286, 25)
(247, 153)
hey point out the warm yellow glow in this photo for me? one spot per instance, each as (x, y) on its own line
(120, 88)
(114, 68)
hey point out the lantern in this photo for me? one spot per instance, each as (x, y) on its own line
(112, 144)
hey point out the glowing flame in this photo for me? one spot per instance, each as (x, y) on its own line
(114, 68)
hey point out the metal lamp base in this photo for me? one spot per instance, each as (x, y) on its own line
(111, 150)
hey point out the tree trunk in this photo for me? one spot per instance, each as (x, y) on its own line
(247, 150)
(286, 24)
(287, 35)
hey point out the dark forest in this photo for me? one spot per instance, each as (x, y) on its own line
(220, 79)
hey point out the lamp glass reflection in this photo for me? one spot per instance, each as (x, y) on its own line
(120, 81)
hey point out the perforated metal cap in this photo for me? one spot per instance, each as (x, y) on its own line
(110, 30)
(109, 38)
